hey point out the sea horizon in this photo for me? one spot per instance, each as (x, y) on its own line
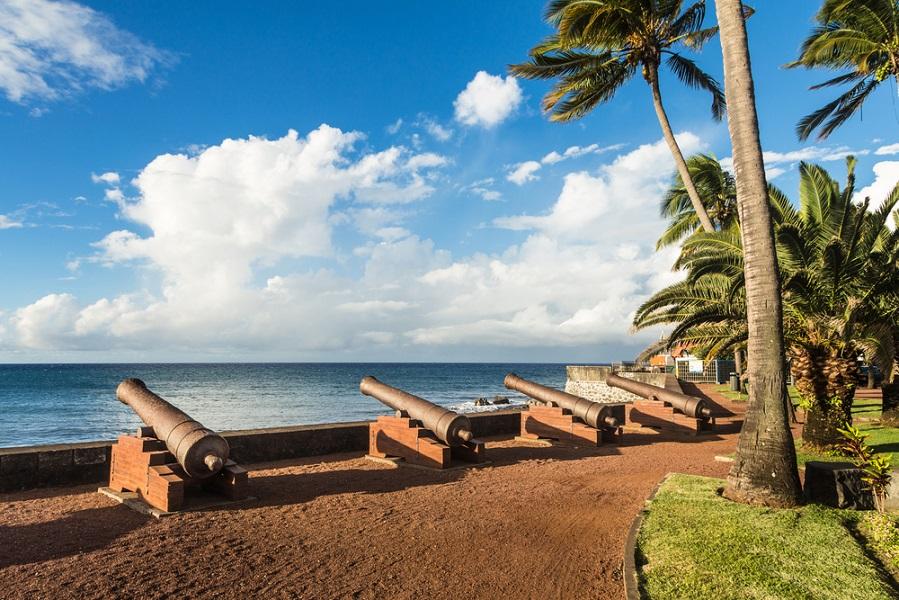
(52, 403)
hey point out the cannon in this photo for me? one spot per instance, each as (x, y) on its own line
(200, 452)
(691, 406)
(449, 427)
(169, 456)
(422, 433)
(565, 417)
(592, 413)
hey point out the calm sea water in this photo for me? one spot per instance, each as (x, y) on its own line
(49, 404)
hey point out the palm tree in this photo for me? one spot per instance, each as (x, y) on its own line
(861, 36)
(764, 470)
(717, 192)
(840, 264)
(600, 44)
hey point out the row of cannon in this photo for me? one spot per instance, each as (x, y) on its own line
(202, 452)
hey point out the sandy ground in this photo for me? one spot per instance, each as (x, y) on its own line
(537, 523)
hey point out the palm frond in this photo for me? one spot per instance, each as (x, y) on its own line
(561, 63)
(690, 74)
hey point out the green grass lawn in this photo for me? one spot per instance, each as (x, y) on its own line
(724, 390)
(865, 416)
(695, 544)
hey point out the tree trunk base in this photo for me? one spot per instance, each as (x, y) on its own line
(740, 489)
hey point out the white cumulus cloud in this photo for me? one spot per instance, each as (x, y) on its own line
(778, 163)
(8, 223)
(109, 178)
(886, 176)
(625, 192)
(887, 150)
(487, 100)
(434, 129)
(52, 49)
(554, 157)
(521, 173)
(240, 257)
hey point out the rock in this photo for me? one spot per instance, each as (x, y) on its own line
(500, 400)
(482, 402)
(836, 484)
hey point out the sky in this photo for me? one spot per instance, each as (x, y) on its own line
(361, 181)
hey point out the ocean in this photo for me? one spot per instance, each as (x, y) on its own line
(61, 403)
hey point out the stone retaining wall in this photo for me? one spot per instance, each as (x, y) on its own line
(590, 382)
(64, 464)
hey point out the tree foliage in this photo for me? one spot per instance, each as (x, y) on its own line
(599, 45)
(860, 37)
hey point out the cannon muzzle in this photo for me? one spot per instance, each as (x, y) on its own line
(594, 414)
(200, 451)
(691, 406)
(449, 427)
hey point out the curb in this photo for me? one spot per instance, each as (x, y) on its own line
(631, 581)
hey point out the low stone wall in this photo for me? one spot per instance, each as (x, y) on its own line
(65, 464)
(589, 382)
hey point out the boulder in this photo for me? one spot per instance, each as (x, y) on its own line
(500, 400)
(836, 484)
(482, 402)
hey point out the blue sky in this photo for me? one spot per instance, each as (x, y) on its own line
(370, 203)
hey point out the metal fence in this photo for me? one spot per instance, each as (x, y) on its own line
(697, 370)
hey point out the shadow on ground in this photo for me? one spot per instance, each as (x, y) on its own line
(691, 389)
(297, 488)
(289, 488)
(78, 532)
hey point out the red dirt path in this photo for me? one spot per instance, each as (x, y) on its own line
(538, 522)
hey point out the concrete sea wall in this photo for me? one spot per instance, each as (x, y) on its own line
(64, 464)
(589, 382)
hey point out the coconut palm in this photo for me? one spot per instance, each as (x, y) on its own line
(840, 264)
(764, 470)
(859, 36)
(599, 45)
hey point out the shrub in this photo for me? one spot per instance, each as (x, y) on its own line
(876, 469)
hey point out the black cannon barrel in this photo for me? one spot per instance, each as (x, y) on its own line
(594, 414)
(448, 426)
(689, 405)
(201, 452)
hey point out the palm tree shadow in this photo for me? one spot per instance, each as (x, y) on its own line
(75, 533)
(718, 410)
(885, 447)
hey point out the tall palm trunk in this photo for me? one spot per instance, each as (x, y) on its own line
(652, 77)
(826, 382)
(764, 471)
